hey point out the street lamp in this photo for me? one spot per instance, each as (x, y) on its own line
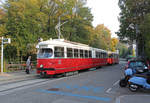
(4, 41)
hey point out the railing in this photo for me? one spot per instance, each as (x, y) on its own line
(18, 66)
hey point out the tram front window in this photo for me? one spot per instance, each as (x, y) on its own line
(45, 53)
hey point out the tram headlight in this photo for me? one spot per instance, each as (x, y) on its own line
(41, 66)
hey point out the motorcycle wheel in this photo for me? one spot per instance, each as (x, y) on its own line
(133, 87)
(123, 83)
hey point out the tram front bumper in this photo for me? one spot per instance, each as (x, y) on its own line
(48, 71)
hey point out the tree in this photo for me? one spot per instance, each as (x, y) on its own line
(27, 20)
(2, 22)
(132, 16)
(114, 44)
(145, 28)
(123, 50)
(104, 37)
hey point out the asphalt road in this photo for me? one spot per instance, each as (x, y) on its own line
(93, 86)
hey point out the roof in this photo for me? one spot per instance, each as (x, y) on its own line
(62, 42)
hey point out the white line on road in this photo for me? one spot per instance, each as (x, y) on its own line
(116, 83)
(108, 90)
(126, 97)
(28, 85)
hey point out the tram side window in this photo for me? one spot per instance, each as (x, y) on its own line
(86, 54)
(110, 55)
(69, 52)
(97, 55)
(100, 54)
(90, 54)
(104, 55)
(76, 53)
(81, 54)
(59, 51)
(114, 55)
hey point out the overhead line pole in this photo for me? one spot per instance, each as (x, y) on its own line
(4, 41)
(2, 47)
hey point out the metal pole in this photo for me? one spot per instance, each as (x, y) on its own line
(2, 56)
(59, 32)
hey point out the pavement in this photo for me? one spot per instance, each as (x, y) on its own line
(17, 75)
(71, 86)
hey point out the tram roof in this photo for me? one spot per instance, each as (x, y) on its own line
(110, 52)
(62, 42)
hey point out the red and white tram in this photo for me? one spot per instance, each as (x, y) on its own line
(113, 58)
(58, 56)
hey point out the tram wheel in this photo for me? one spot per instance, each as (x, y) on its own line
(43, 75)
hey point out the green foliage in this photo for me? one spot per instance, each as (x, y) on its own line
(133, 17)
(24, 21)
(114, 44)
(145, 28)
(123, 50)
(103, 36)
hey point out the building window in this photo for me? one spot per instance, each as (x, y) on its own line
(69, 52)
(59, 51)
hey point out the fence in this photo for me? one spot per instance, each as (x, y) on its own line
(18, 66)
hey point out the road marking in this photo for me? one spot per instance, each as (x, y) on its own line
(116, 83)
(26, 86)
(80, 88)
(118, 99)
(108, 90)
(106, 99)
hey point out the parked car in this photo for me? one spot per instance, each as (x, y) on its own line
(137, 65)
(129, 57)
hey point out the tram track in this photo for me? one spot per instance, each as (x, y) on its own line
(15, 81)
(21, 85)
(11, 87)
(26, 83)
(16, 87)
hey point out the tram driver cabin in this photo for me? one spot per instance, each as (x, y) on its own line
(59, 56)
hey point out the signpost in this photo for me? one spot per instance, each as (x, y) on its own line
(4, 41)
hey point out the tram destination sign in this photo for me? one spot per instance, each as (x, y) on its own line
(43, 46)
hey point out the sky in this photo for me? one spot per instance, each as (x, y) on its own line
(105, 12)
